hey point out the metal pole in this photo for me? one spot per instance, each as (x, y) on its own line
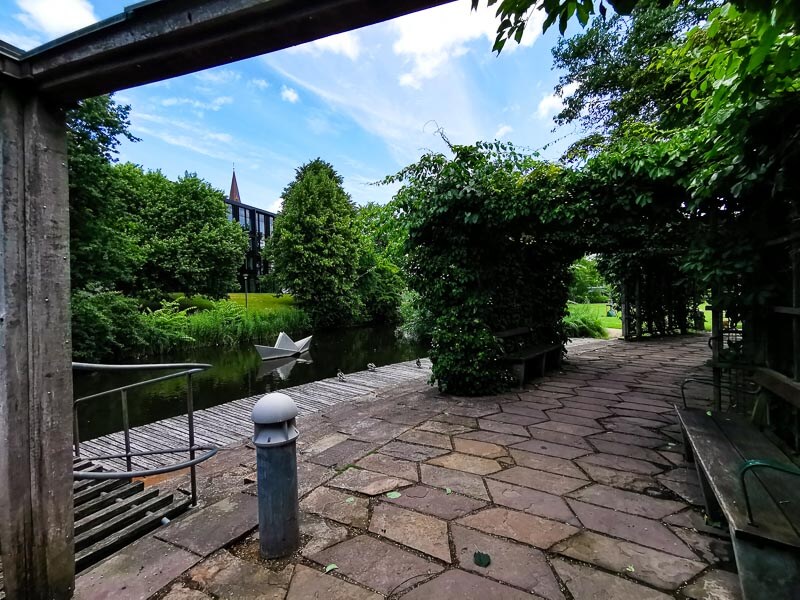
(190, 417)
(275, 438)
(76, 435)
(126, 428)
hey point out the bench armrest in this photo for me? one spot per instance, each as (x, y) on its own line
(721, 385)
(749, 465)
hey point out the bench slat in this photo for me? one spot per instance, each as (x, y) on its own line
(720, 460)
(782, 488)
(532, 352)
(767, 570)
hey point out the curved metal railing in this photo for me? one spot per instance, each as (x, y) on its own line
(186, 370)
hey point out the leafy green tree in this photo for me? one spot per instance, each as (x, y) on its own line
(315, 245)
(386, 229)
(187, 241)
(103, 249)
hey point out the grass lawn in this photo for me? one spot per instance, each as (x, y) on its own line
(600, 311)
(263, 301)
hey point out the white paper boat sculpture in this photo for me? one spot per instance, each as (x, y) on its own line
(284, 347)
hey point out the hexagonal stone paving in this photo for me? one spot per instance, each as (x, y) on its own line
(412, 452)
(519, 526)
(389, 465)
(715, 585)
(445, 428)
(551, 449)
(343, 453)
(540, 480)
(630, 527)
(479, 448)
(629, 502)
(378, 565)
(427, 438)
(657, 568)
(530, 501)
(226, 576)
(465, 586)
(465, 462)
(368, 483)
(621, 463)
(437, 502)
(415, 530)
(309, 583)
(458, 481)
(585, 583)
(518, 565)
(551, 464)
(338, 506)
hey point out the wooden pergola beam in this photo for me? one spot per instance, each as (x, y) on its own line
(157, 40)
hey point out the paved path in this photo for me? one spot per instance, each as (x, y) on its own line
(574, 488)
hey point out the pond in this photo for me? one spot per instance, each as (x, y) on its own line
(236, 373)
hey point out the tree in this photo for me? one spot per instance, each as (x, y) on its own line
(608, 67)
(103, 251)
(188, 243)
(315, 245)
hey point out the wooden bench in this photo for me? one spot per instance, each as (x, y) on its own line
(748, 482)
(531, 361)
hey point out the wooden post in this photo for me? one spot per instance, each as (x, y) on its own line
(36, 518)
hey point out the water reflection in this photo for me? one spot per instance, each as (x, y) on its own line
(236, 373)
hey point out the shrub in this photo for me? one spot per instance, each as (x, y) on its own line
(105, 325)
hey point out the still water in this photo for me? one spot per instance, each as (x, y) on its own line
(236, 373)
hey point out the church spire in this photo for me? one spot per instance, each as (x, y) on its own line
(234, 195)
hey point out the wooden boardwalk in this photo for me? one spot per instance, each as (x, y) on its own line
(230, 422)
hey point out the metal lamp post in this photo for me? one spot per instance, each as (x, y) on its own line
(245, 290)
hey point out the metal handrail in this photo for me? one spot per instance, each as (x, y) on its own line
(187, 370)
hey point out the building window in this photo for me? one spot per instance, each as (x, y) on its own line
(229, 211)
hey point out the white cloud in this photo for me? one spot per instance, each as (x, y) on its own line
(503, 131)
(55, 18)
(347, 44)
(289, 94)
(218, 76)
(431, 38)
(275, 206)
(553, 103)
(20, 40)
(214, 104)
(261, 84)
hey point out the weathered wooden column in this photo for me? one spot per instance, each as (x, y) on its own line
(36, 519)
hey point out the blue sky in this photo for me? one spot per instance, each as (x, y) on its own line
(368, 101)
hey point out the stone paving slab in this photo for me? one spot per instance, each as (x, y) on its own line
(530, 501)
(465, 462)
(378, 565)
(209, 529)
(137, 571)
(551, 464)
(427, 438)
(410, 528)
(479, 448)
(445, 428)
(540, 480)
(339, 506)
(551, 449)
(500, 427)
(437, 502)
(458, 481)
(715, 585)
(465, 586)
(651, 566)
(518, 526)
(629, 502)
(227, 576)
(343, 453)
(646, 532)
(413, 452)
(585, 583)
(516, 564)
(367, 482)
(388, 465)
(310, 584)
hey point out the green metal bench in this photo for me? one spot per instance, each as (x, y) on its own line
(748, 482)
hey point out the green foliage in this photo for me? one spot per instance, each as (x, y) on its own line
(183, 231)
(104, 325)
(383, 226)
(586, 280)
(471, 288)
(415, 321)
(103, 250)
(379, 288)
(315, 246)
(107, 325)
